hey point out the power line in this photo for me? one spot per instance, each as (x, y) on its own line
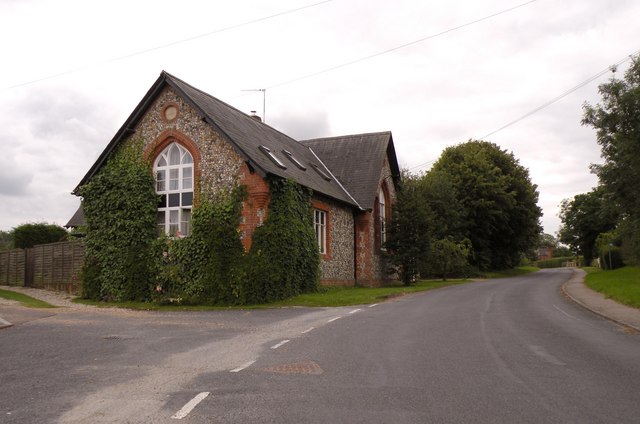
(564, 94)
(402, 46)
(550, 102)
(164, 46)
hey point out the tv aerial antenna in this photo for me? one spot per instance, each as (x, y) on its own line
(264, 102)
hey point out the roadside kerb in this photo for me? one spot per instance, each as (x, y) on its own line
(596, 302)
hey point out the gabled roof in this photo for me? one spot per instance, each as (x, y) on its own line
(246, 135)
(357, 161)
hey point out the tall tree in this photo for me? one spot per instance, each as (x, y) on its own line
(583, 218)
(410, 230)
(497, 200)
(617, 122)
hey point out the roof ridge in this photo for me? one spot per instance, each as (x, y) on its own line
(347, 135)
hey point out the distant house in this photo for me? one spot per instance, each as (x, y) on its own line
(544, 253)
(194, 139)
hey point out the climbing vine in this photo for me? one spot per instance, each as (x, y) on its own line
(120, 207)
(284, 259)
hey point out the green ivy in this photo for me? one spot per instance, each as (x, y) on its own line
(120, 208)
(284, 259)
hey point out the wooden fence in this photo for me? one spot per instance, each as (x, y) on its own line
(54, 266)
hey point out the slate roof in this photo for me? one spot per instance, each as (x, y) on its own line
(246, 135)
(77, 219)
(357, 161)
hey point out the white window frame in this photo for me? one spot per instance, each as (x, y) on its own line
(382, 212)
(174, 182)
(320, 226)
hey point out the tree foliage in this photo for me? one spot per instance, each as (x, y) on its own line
(616, 120)
(29, 235)
(120, 208)
(496, 199)
(409, 232)
(583, 218)
(450, 257)
(6, 240)
(284, 259)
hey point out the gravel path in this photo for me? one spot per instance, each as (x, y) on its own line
(54, 298)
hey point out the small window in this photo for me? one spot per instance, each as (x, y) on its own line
(270, 155)
(383, 217)
(295, 161)
(320, 224)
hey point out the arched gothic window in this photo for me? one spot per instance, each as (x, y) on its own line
(383, 217)
(173, 170)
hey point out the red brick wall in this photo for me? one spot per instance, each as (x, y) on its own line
(255, 208)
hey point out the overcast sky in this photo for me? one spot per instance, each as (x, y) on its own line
(74, 70)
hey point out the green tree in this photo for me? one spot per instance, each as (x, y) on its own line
(120, 209)
(409, 232)
(616, 120)
(450, 258)
(6, 240)
(583, 218)
(498, 203)
(29, 235)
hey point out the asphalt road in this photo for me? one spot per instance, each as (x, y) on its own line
(501, 351)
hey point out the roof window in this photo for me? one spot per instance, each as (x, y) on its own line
(295, 161)
(321, 172)
(270, 155)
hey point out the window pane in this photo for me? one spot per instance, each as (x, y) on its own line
(174, 155)
(173, 222)
(173, 179)
(160, 180)
(162, 203)
(174, 200)
(187, 158)
(187, 199)
(185, 223)
(162, 161)
(160, 221)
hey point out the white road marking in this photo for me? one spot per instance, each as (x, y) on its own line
(572, 317)
(4, 323)
(189, 406)
(375, 304)
(542, 353)
(354, 311)
(279, 344)
(333, 319)
(241, 367)
(307, 330)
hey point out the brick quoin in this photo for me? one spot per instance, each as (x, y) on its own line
(255, 208)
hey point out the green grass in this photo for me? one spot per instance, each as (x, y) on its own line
(621, 285)
(325, 297)
(25, 300)
(521, 270)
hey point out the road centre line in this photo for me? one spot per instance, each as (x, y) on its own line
(241, 367)
(354, 311)
(279, 344)
(307, 330)
(333, 319)
(375, 304)
(188, 407)
(4, 323)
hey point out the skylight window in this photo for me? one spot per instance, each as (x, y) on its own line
(321, 172)
(270, 155)
(295, 161)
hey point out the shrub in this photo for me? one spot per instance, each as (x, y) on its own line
(28, 235)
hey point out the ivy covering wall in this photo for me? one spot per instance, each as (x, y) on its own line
(120, 207)
(125, 260)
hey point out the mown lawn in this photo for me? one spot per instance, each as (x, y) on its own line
(24, 299)
(621, 285)
(325, 297)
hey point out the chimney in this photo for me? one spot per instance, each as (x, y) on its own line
(256, 117)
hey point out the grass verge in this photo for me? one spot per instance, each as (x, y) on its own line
(621, 285)
(25, 300)
(325, 297)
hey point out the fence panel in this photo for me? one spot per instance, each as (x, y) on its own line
(57, 266)
(12, 267)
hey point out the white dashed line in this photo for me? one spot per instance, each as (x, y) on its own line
(307, 330)
(354, 311)
(4, 323)
(241, 367)
(375, 304)
(333, 319)
(279, 344)
(189, 406)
